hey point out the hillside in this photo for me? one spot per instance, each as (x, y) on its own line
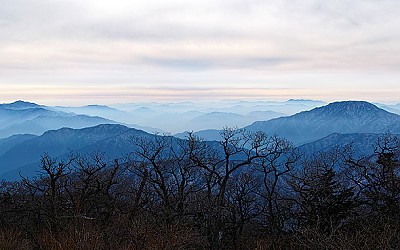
(61, 142)
(361, 143)
(337, 117)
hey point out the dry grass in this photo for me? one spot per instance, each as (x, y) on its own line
(368, 236)
(79, 237)
(13, 239)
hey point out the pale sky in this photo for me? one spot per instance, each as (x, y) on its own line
(99, 51)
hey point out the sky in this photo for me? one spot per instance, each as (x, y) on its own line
(99, 51)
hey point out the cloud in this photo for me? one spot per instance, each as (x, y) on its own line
(199, 64)
(169, 43)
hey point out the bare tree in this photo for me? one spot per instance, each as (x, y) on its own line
(277, 164)
(323, 201)
(377, 177)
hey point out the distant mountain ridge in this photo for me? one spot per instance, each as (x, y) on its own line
(216, 120)
(188, 116)
(168, 117)
(20, 105)
(30, 118)
(114, 140)
(363, 144)
(322, 128)
(337, 117)
(25, 156)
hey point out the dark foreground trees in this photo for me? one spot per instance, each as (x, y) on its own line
(248, 191)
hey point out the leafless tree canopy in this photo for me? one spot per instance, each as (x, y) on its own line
(248, 191)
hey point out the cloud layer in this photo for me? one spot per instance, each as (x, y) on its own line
(306, 47)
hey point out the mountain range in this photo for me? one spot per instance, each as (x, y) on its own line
(322, 128)
(22, 153)
(30, 118)
(188, 116)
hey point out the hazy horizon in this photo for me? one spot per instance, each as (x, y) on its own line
(63, 103)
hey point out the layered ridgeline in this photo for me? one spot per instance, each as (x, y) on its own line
(323, 128)
(362, 144)
(30, 118)
(22, 153)
(98, 110)
(338, 117)
(150, 117)
(394, 108)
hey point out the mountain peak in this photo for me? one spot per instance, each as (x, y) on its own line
(352, 104)
(349, 108)
(20, 105)
(336, 117)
